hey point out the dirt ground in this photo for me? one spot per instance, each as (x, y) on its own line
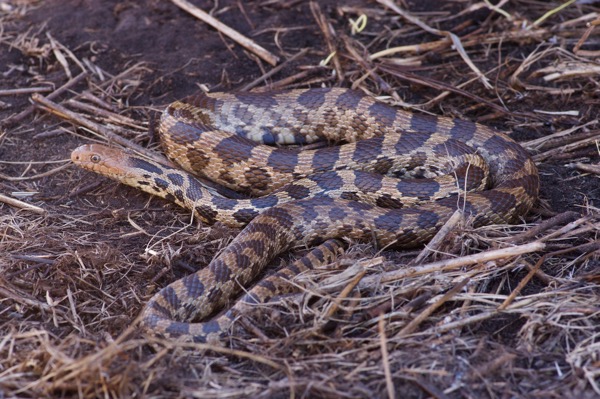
(77, 268)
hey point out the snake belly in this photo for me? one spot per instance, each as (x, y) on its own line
(312, 197)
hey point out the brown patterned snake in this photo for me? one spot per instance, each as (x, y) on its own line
(303, 198)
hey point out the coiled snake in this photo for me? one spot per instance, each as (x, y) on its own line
(312, 196)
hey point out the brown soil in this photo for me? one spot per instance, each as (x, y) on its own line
(74, 278)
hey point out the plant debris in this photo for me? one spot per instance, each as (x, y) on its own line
(497, 311)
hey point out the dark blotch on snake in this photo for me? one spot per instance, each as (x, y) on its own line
(306, 262)
(423, 123)
(207, 213)
(463, 130)
(220, 269)
(383, 114)
(337, 213)
(267, 284)
(161, 183)
(386, 201)
(179, 195)
(145, 165)
(234, 149)
(170, 197)
(368, 182)
(193, 285)
(177, 328)
(328, 181)
(257, 246)
(175, 178)
(349, 100)
(293, 269)
(265, 202)
(170, 296)
(325, 158)
(194, 190)
(388, 222)
(244, 216)
(312, 99)
(283, 160)
(211, 327)
(258, 178)
(297, 191)
(427, 219)
(318, 254)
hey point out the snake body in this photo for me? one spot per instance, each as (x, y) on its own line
(312, 197)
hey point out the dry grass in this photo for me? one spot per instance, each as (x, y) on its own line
(499, 311)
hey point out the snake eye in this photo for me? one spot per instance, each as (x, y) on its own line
(95, 158)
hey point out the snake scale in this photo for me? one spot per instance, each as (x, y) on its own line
(394, 178)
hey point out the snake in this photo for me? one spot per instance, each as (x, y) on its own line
(387, 176)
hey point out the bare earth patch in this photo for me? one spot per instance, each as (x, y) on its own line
(499, 311)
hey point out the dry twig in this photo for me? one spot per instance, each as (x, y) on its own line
(227, 31)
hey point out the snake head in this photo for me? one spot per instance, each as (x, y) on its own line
(107, 161)
(126, 167)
